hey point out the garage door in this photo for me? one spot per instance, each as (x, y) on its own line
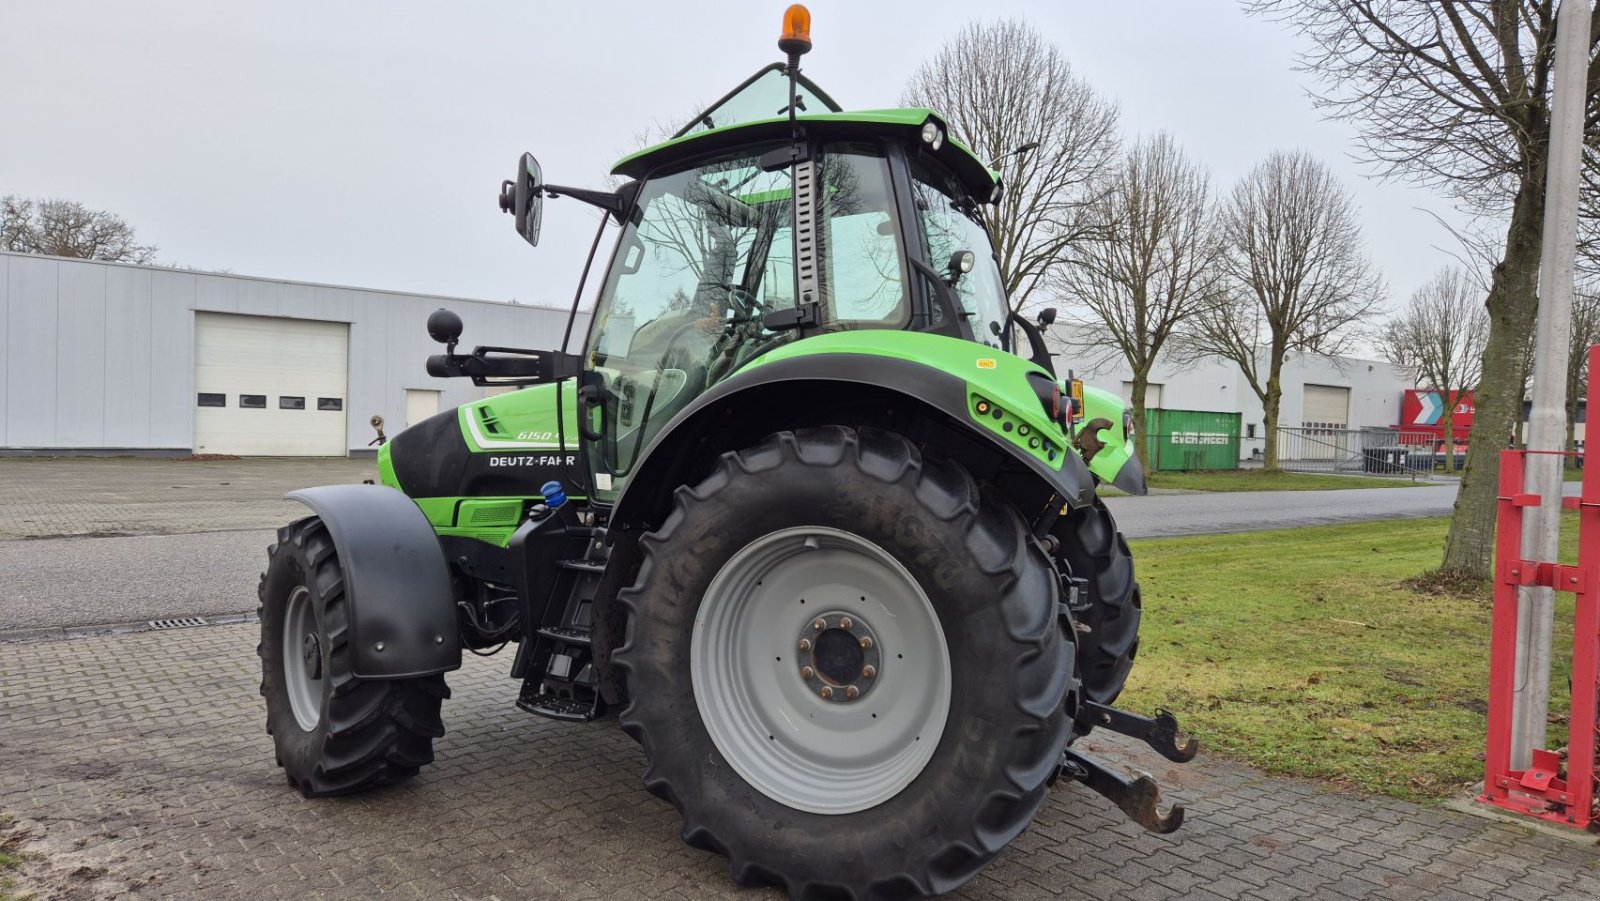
(270, 387)
(1326, 407)
(1152, 394)
(420, 404)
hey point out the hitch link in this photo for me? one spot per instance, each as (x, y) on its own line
(1139, 798)
(1160, 732)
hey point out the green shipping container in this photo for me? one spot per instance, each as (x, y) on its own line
(1183, 440)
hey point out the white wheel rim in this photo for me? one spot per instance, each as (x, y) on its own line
(770, 723)
(302, 659)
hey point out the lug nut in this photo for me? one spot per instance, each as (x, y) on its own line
(869, 671)
(866, 643)
(820, 624)
(805, 644)
(847, 624)
(826, 692)
(378, 646)
(852, 692)
(807, 672)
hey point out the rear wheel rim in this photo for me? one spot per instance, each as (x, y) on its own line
(809, 731)
(302, 659)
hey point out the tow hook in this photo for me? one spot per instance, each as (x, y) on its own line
(1139, 798)
(1160, 732)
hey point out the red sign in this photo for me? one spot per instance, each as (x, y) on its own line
(1424, 410)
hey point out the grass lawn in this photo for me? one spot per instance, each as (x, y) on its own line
(1302, 652)
(11, 858)
(1572, 474)
(1262, 480)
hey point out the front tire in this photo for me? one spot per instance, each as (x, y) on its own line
(842, 796)
(334, 733)
(1092, 549)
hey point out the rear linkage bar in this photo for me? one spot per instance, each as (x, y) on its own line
(1138, 797)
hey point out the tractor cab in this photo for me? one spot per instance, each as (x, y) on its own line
(772, 217)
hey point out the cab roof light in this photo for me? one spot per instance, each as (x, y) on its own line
(796, 37)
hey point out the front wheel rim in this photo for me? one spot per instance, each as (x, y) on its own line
(302, 659)
(834, 735)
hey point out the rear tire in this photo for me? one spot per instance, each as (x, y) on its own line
(334, 733)
(992, 599)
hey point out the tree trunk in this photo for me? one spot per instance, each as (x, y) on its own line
(1141, 384)
(1513, 304)
(1269, 410)
(1448, 430)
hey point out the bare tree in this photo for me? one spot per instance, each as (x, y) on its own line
(1438, 340)
(1585, 332)
(67, 228)
(1456, 94)
(1004, 87)
(1297, 277)
(1151, 261)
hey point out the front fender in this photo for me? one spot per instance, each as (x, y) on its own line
(397, 584)
(1117, 460)
(927, 373)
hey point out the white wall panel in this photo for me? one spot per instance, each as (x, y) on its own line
(128, 356)
(80, 356)
(31, 352)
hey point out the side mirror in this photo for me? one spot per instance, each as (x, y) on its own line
(523, 197)
(1047, 317)
(445, 327)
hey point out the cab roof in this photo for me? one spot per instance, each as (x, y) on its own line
(740, 118)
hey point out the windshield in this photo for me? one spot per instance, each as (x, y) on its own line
(765, 96)
(706, 255)
(950, 224)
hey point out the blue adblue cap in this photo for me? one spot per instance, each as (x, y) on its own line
(554, 494)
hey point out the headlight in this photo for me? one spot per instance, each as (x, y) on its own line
(932, 134)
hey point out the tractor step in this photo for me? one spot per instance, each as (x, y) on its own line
(561, 682)
(583, 566)
(559, 708)
(568, 634)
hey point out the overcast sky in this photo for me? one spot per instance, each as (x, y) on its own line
(362, 143)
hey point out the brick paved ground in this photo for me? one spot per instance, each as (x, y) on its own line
(44, 497)
(139, 764)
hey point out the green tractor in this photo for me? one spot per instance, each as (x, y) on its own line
(809, 510)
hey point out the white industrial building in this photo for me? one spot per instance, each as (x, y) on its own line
(1319, 392)
(114, 358)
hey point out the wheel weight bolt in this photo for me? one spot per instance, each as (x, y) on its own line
(866, 643)
(847, 624)
(869, 671)
(805, 644)
(827, 692)
(852, 692)
(807, 672)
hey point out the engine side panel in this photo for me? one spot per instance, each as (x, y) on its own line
(474, 470)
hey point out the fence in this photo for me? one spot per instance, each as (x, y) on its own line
(1364, 451)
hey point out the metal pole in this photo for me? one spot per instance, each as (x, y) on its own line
(1548, 422)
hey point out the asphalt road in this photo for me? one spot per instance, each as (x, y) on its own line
(72, 582)
(1248, 511)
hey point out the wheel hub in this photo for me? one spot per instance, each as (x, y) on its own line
(311, 656)
(840, 657)
(820, 669)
